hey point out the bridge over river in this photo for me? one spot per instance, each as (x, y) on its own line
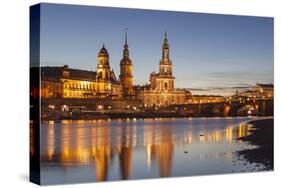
(83, 109)
(231, 107)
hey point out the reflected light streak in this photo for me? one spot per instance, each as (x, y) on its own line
(228, 133)
(50, 142)
(65, 143)
(148, 155)
(202, 139)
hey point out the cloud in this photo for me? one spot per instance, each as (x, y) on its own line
(247, 86)
(245, 75)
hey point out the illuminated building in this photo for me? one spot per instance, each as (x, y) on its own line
(195, 99)
(258, 91)
(51, 88)
(103, 84)
(161, 90)
(126, 72)
(267, 89)
(65, 82)
(74, 83)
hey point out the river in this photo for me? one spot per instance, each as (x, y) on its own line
(75, 151)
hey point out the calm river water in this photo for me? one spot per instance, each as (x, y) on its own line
(100, 150)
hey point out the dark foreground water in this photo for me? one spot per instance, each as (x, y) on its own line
(86, 151)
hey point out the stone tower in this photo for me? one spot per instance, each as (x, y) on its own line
(126, 72)
(103, 68)
(165, 68)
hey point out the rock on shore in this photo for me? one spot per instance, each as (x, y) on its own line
(262, 137)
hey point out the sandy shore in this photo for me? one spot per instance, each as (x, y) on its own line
(262, 137)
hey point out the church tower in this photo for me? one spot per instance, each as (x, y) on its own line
(126, 71)
(165, 63)
(103, 68)
(165, 67)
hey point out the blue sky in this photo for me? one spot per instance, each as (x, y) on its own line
(211, 53)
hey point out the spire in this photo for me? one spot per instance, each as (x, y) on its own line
(126, 37)
(165, 48)
(165, 42)
(126, 50)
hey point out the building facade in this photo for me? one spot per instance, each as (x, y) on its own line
(258, 91)
(267, 90)
(51, 88)
(161, 90)
(75, 83)
(197, 99)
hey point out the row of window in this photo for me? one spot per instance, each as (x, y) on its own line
(78, 95)
(78, 86)
(107, 75)
(159, 99)
(51, 86)
(85, 95)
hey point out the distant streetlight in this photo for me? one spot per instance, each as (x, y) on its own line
(100, 107)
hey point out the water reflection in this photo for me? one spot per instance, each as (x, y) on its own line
(102, 144)
(158, 142)
(50, 142)
(124, 148)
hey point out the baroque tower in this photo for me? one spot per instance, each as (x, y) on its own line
(165, 68)
(126, 72)
(161, 91)
(103, 68)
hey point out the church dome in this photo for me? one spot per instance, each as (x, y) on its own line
(103, 52)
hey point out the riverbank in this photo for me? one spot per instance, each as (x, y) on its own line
(262, 137)
(96, 115)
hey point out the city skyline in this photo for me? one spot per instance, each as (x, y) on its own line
(211, 54)
(127, 94)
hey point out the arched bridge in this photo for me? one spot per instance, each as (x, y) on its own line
(232, 107)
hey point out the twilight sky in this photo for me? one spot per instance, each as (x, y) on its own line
(211, 53)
